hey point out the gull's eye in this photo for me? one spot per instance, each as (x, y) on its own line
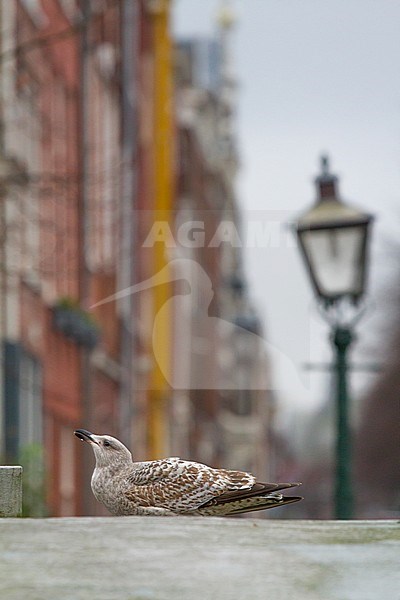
(106, 443)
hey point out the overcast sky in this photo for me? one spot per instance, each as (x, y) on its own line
(314, 76)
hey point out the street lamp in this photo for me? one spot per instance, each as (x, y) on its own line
(333, 238)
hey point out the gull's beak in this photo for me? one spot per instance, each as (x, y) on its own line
(85, 436)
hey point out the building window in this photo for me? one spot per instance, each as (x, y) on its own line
(30, 401)
(35, 11)
(23, 400)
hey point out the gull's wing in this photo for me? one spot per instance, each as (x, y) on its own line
(180, 485)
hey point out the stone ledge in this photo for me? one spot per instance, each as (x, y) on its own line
(10, 491)
(138, 558)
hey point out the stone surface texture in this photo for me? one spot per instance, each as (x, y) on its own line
(193, 558)
(10, 491)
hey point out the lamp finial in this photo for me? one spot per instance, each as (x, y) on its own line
(324, 164)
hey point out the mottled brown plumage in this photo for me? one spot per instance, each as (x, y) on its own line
(173, 486)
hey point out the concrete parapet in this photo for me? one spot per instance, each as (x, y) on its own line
(10, 491)
(185, 558)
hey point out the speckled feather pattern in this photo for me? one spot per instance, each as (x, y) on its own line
(173, 486)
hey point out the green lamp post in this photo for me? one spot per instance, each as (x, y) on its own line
(333, 239)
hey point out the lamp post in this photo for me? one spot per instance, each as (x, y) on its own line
(333, 239)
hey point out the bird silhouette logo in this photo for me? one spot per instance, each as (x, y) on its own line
(208, 337)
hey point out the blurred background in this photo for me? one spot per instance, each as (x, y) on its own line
(165, 149)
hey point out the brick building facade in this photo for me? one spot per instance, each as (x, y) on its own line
(62, 224)
(95, 148)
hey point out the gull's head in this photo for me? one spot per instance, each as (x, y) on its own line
(108, 451)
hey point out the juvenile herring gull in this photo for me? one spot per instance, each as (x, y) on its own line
(172, 486)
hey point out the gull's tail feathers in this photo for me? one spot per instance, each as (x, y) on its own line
(259, 497)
